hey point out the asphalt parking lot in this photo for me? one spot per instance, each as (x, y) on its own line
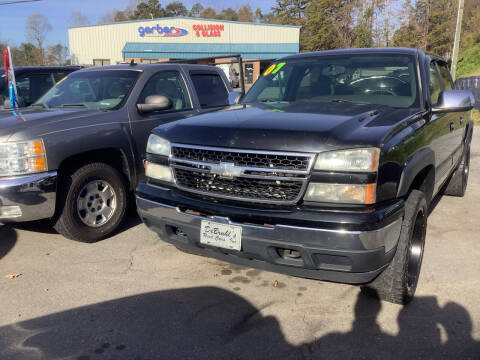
(134, 297)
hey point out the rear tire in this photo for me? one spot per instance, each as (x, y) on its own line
(92, 203)
(457, 186)
(398, 282)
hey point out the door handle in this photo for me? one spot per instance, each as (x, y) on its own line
(461, 120)
(452, 126)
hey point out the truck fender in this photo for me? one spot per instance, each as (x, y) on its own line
(415, 164)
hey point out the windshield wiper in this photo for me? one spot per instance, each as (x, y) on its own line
(269, 100)
(349, 101)
(73, 105)
(39, 105)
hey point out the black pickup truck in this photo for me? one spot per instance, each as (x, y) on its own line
(77, 153)
(325, 170)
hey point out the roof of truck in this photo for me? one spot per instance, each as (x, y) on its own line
(149, 67)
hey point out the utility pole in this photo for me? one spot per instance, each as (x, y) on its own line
(456, 42)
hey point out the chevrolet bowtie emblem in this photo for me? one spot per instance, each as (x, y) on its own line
(226, 170)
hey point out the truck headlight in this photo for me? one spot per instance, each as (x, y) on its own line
(354, 160)
(23, 157)
(158, 146)
(341, 193)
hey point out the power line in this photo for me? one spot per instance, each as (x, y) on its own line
(17, 2)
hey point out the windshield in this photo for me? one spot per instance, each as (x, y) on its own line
(100, 90)
(374, 78)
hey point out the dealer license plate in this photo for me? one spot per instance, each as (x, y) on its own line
(221, 235)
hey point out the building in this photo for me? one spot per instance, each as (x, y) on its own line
(183, 38)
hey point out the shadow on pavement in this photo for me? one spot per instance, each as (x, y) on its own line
(45, 226)
(212, 323)
(8, 238)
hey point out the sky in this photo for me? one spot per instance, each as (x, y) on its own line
(13, 17)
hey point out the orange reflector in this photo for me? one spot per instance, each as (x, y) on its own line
(38, 148)
(370, 193)
(40, 164)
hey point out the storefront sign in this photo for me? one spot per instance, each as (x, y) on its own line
(208, 30)
(161, 31)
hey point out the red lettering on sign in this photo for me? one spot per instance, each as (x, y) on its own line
(208, 30)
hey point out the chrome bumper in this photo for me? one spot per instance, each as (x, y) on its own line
(33, 195)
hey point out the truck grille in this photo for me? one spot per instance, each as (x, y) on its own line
(251, 159)
(268, 177)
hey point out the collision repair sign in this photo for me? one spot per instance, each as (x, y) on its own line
(161, 31)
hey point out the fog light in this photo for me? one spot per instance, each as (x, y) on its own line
(10, 212)
(158, 172)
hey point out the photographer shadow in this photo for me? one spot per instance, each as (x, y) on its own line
(213, 323)
(8, 239)
(426, 331)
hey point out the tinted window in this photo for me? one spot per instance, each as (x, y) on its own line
(31, 87)
(169, 84)
(3, 85)
(104, 90)
(378, 79)
(210, 89)
(434, 86)
(445, 75)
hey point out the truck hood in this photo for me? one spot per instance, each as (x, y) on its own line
(34, 117)
(309, 127)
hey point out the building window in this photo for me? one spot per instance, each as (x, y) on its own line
(101, 62)
(148, 61)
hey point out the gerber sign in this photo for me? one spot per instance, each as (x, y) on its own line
(161, 31)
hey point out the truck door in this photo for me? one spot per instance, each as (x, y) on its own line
(457, 119)
(169, 83)
(441, 130)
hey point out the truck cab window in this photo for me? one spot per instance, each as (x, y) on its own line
(210, 89)
(434, 85)
(31, 87)
(169, 84)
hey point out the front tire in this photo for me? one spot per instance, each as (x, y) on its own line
(398, 282)
(92, 203)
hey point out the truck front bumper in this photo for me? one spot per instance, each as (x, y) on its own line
(347, 256)
(27, 198)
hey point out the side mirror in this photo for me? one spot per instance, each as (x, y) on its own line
(454, 101)
(155, 103)
(234, 97)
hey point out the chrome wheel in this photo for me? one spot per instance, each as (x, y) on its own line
(96, 203)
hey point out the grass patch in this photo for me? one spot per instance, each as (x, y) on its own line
(476, 117)
(469, 62)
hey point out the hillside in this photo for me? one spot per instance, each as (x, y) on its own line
(469, 62)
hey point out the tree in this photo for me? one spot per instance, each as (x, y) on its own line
(36, 30)
(175, 8)
(407, 36)
(208, 13)
(291, 12)
(258, 15)
(228, 14)
(196, 10)
(57, 55)
(147, 10)
(77, 18)
(321, 29)
(26, 54)
(245, 13)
